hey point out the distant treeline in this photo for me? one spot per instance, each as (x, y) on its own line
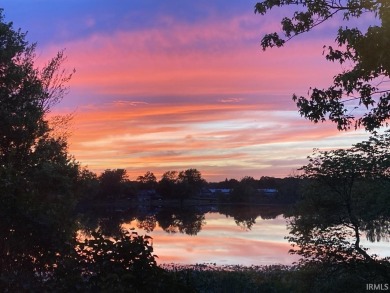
(114, 184)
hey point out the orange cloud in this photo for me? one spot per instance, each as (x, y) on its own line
(213, 137)
(198, 95)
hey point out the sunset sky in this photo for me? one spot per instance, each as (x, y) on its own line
(171, 85)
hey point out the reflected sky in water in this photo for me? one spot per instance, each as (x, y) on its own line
(223, 242)
(381, 248)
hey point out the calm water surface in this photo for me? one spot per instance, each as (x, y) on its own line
(222, 241)
(225, 235)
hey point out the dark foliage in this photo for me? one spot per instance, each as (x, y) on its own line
(181, 185)
(360, 87)
(37, 175)
(345, 198)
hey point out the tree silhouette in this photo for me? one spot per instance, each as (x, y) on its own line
(346, 197)
(359, 95)
(112, 183)
(148, 181)
(38, 178)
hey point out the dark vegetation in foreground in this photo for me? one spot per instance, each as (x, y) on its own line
(275, 278)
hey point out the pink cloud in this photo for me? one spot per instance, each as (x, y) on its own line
(202, 95)
(211, 137)
(231, 100)
(203, 58)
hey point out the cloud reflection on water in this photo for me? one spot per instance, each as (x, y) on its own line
(223, 242)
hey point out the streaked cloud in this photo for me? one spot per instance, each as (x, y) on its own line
(184, 85)
(221, 140)
(231, 100)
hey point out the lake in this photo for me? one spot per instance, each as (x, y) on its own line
(222, 241)
(224, 234)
